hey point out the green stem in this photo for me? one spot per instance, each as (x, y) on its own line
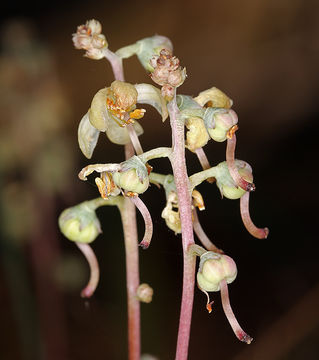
(201, 176)
(155, 154)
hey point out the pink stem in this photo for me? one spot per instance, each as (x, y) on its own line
(202, 235)
(258, 233)
(94, 270)
(239, 332)
(116, 63)
(134, 139)
(204, 162)
(145, 243)
(230, 158)
(128, 216)
(178, 162)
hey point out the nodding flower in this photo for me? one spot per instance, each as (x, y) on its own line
(81, 225)
(215, 272)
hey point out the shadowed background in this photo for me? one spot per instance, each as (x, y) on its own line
(264, 55)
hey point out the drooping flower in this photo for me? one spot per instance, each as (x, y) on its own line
(215, 272)
(112, 109)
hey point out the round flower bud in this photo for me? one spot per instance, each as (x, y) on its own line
(214, 268)
(224, 121)
(80, 223)
(129, 181)
(144, 293)
(227, 185)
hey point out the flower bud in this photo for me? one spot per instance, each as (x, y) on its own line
(167, 70)
(144, 293)
(133, 176)
(80, 223)
(129, 181)
(89, 38)
(214, 268)
(226, 183)
(219, 121)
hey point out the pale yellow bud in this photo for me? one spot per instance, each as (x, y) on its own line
(144, 293)
(213, 269)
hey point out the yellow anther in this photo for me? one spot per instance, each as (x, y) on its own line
(105, 184)
(137, 113)
(198, 200)
(232, 131)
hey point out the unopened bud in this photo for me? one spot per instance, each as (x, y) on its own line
(144, 293)
(88, 37)
(220, 122)
(225, 182)
(214, 268)
(80, 223)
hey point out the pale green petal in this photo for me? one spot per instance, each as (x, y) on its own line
(87, 136)
(151, 95)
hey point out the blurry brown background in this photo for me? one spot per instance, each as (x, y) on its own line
(264, 54)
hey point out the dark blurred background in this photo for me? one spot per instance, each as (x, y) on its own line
(264, 54)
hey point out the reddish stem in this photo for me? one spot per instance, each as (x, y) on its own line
(239, 332)
(178, 162)
(145, 243)
(134, 139)
(87, 251)
(258, 233)
(204, 162)
(128, 216)
(230, 158)
(202, 235)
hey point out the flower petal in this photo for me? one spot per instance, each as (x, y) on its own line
(151, 95)
(87, 136)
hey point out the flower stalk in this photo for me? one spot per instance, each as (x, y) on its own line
(177, 159)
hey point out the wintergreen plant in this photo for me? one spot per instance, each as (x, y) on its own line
(114, 110)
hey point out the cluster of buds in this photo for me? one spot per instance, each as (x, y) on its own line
(88, 37)
(167, 72)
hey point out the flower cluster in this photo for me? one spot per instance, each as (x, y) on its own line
(167, 73)
(88, 37)
(209, 116)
